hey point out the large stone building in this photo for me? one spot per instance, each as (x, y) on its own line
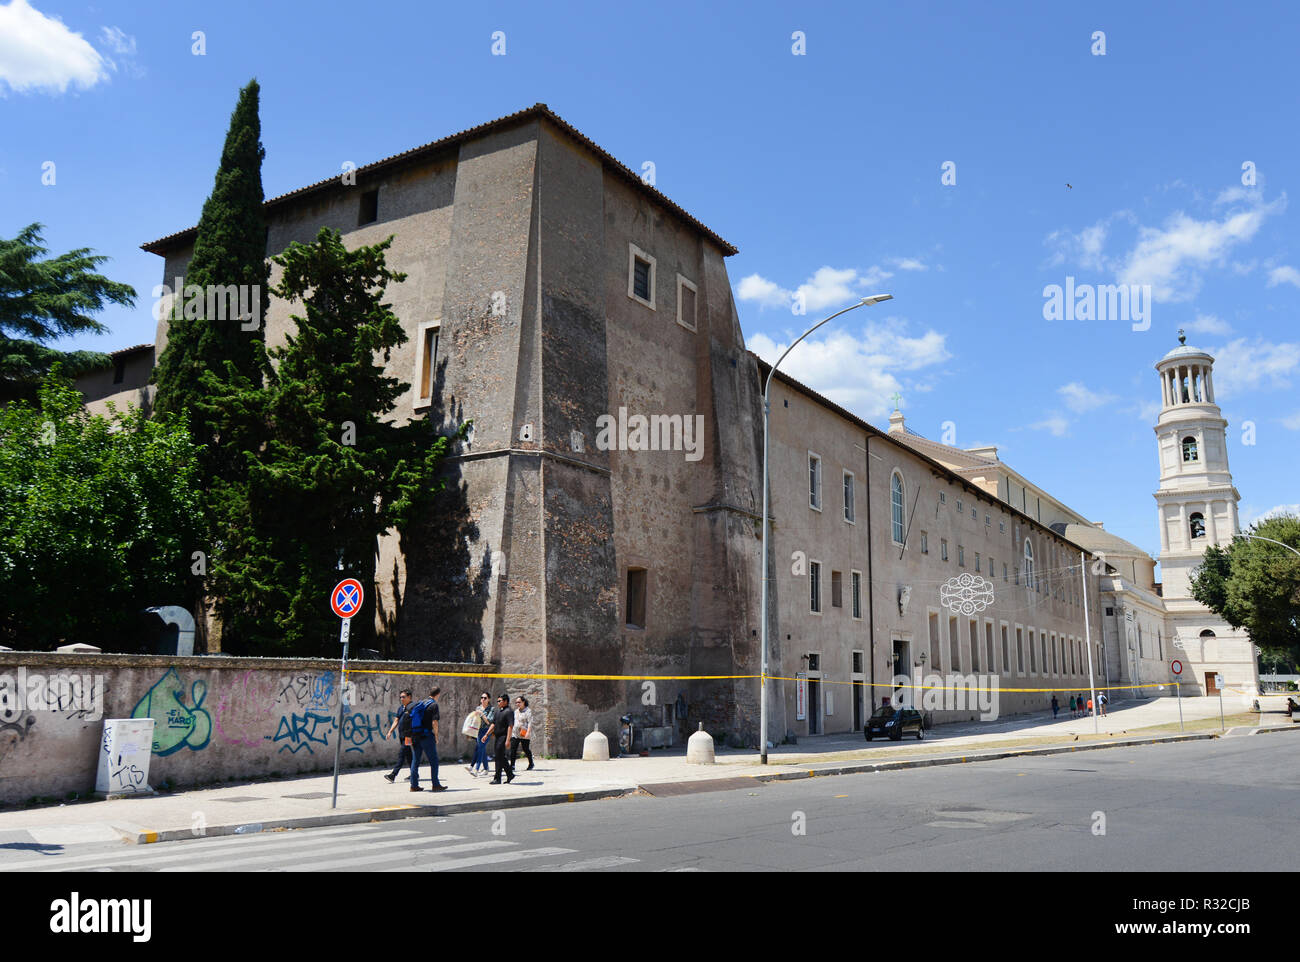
(603, 518)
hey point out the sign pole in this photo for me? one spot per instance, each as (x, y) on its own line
(1223, 726)
(1087, 631)
(1178, 690)
(345, 601)
(343, 680)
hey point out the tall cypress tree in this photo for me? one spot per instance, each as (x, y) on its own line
(229, 249)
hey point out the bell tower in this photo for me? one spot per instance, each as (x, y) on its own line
(1197, 507)
(1196, 502)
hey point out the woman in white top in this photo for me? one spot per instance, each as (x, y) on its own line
(522, 732)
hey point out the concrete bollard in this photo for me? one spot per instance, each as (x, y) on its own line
(699, 748)
(595, 747)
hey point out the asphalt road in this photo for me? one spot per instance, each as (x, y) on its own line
(1225, 805)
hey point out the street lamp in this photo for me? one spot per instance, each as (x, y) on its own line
(1260, 537)
(767, 410)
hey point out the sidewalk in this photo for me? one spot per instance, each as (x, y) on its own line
(364, 795)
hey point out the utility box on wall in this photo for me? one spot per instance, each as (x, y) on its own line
(124, 754)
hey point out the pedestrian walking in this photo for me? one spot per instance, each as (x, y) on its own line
(1080, 702)
(1056, 707)
(502, 721)
(1073, 707)
(424, 740)
(403, 735)
(522, 732)
(484, 714)
(1102, 699)
(1089, 706)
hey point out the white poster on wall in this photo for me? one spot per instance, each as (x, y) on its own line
(800, 695)
(124, 754)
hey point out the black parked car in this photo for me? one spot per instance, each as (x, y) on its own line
(891, 722)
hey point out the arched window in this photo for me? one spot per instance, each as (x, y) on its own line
(896, 505)
(1029, 565)
(1207, 633)
(1197, 524)
(1189, 448)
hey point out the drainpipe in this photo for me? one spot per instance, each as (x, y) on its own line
(871, 594)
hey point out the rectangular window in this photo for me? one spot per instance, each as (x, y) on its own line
(1055, 667)
(640, 276)
(935, 660)
(837, 589)
(636, 597)
(961, 555)
(1042, 643)
(1006, 654)
(856, 577)
(943, 497)
(857, 663)
(974, 646)
(925, 543)
(959, 507)
(1020, 650)
(977, 562)
(814, 481)
(954, 642)
(1033, 655)
(1004, 573)
(943, 549)
(426, 362)
(686, 294)
(119, 370)
(988, 644)
(1002, 527)
(987, 521)
(974, 514)
(369, 211)
(896, 503)
(815, 584)
(848, 497)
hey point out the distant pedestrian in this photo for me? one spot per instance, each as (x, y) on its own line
(1102, 699)
(403, 734)
(1056, 707)
(523, 731)
(1089, 706)
(1080, 700)
(484, 712)
(1073, 706)
(502, 721)
(424, 740)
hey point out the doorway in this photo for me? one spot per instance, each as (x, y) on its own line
(1210, 687)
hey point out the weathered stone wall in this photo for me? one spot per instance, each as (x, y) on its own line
(218, 718)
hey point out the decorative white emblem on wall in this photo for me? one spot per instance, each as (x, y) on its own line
(966, 593)
(904, 596)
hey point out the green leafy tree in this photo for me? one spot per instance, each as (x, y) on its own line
(43, 299)
(203, 336)
(333, 473)
(1255, 585)
(97, 519)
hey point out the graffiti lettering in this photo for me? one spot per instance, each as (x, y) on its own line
(302, 731)
(128, 775)
(176, 726)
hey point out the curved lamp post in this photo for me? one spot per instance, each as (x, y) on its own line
(767, 410)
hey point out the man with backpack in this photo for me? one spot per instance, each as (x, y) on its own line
(424, 739)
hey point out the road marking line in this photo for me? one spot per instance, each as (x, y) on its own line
(546, 830)
(191, 847)
(588, 865)
(304, 857)
(356, 859)
(500, 857)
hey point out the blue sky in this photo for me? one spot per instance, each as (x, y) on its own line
(825, 168)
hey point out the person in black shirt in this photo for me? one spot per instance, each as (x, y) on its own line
(402, 724)
(502, 722)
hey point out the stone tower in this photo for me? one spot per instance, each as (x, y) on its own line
(1197, 507)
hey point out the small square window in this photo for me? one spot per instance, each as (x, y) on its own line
(943, 497)
(974, 514)
(987, 520)
(641, 276)
(1002, 527)
(959, 507)
(369, 212)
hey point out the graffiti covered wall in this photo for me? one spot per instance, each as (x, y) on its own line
(215, 718)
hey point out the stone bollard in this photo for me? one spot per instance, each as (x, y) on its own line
(699, 748)
(595, 747)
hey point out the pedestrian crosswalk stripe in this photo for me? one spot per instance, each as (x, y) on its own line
(499, 858)
(355, 862)
(587, 865)
(194, 849)
(303, 856)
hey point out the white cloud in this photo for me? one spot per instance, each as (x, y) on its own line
(1056, 424)
(906, 264)
(1079, 398)
(857, 372)
(828, 287)
(1148, 411)
(1249, 516)
(39, 53)
(1292, 422)
(1243, 365)
(1166, 258)
(118, 40)
(1209, 324)
(1283, 275)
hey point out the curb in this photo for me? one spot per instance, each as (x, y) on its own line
(138, 835)
(1293, 727)
(867, 767)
